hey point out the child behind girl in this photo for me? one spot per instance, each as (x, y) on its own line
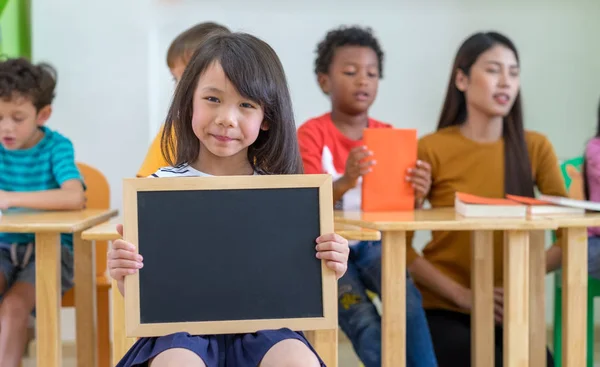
(231, 115)
(37, 171)
(180, 51)
(349, 65)
(480, 148)
(591, 174)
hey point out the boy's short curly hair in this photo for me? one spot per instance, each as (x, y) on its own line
(346, 36)
(21, 78)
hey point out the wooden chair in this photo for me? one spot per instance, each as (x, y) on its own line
(97, 197)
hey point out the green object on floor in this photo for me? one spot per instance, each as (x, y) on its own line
(593, 291)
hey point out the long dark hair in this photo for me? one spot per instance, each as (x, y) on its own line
(254, 69)
(517, 167)
(586, 189)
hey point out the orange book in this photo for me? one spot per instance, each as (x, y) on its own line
(474, 199)
(385, 188)
(537, 206)
(527, 200)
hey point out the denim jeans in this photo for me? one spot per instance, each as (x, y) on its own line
(360, 320)
(594, 257)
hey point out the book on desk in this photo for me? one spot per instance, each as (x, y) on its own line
(469, 205)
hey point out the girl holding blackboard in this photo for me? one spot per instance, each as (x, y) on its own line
(231, 115)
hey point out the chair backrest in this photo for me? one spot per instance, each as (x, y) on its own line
(572, 174)
(97, 197)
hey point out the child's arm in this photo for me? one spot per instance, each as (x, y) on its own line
(357, 165)
(592, 157)
(122, 260)
(70, 196)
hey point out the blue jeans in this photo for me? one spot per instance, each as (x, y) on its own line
(594, 256)
(360, 320)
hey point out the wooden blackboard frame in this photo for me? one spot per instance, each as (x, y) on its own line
(135, 328)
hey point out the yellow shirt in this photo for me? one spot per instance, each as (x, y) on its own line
(154, 159)
(460, 164)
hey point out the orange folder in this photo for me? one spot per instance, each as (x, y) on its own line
(385, 188)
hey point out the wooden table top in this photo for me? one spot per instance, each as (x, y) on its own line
(591, 219)
(53, 221)
(108, 232)
(355, 233)
(441, 219)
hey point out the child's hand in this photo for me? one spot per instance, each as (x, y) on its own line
(420, 177)
(356, 165)
(122, 259)
(334, 250)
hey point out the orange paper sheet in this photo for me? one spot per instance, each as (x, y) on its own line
(474, 199)
(385, 188)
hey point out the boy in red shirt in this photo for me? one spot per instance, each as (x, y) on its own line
(348, 67)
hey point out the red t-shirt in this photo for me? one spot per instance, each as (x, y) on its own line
(325, 149)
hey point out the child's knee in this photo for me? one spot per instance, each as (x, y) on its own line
(290, 353)
(177, 357)
(17, 306)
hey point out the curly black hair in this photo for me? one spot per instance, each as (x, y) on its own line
(346, 36)
(21, 78)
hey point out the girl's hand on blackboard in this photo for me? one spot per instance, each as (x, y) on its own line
(122, 259)
(334, 250)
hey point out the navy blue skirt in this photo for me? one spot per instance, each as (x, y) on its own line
(240, 350)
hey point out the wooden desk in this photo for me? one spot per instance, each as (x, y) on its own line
(108, 232)
(355, 233)
(574, 295)
(322, 340)
(394, 226)
(47, 227)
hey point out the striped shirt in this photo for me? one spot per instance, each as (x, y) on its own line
(183, 170)
(46, 166)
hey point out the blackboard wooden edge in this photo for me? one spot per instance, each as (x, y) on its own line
(130, 234)
(231, 327)
(227, 182)
(131, 186)
(329, 279)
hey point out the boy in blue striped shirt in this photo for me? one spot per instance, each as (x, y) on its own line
(37, 171)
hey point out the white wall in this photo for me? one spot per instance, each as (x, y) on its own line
(114, 87)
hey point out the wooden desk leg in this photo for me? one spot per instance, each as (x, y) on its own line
(121, 343)
(85, 301)
(325, 343)
(482, 286)
(516, 298)
(393, 289)
(537, 313)
(47, 295)
(574, 301)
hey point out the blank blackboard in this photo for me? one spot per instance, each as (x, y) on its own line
(229, 254)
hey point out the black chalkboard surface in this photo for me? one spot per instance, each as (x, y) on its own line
(229, 254)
